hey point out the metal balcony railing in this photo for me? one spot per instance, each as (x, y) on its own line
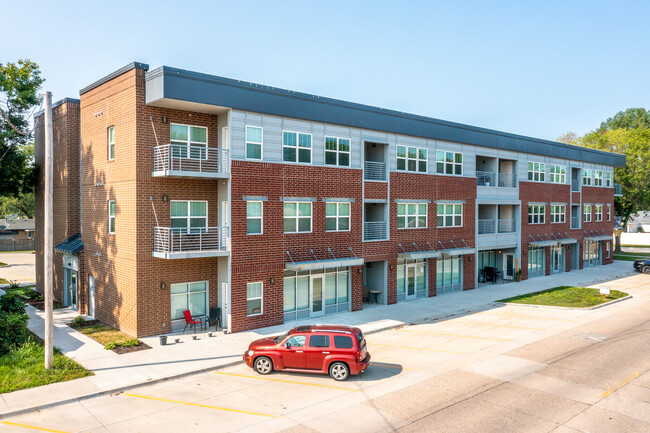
(618, 191)
(374, 231)
(180, 160)
(373, 170)
(575, 185)
(486, 227)
(174, 240)
(506, 225)
(486, 178)
(507, 180)
(575, 222)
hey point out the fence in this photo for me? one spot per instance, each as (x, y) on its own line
(16, 244)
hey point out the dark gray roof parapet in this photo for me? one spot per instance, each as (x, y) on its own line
(132, 65)
(202, 88)
(56, 104)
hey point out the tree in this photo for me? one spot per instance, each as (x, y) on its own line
(568, 137)
(632, 118)
(22, 205)
(20, 83)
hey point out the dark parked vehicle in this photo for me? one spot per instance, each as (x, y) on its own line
(329, 349)
(642, 265)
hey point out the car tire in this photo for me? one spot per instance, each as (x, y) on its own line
(263, 365)
(646, 269)
(339, 371)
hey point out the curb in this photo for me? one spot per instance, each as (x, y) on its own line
(553, 307)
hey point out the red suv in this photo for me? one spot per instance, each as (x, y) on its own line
(329, 349)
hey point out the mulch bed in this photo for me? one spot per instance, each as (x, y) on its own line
(121, 350)
(40, 305)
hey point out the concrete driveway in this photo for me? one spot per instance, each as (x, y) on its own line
(22, 267)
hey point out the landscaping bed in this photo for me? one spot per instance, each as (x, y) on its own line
(566, 296)
(30, 296)
(107, 336)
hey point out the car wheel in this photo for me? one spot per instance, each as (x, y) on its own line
(339, 371)
(646, 269)
(263, 365)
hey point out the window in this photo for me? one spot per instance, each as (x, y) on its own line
(607, 249)
(449, 215)
(448, 273)
(411, 275)
(296, 147)
(296, 291)
(319, 341)
(111, 142)
(558, 213)
(296, 341)
(254, 299)
(337, 151)
(536, 214)
(449, 162)
(587, 213)
(337, 217)
(343, 342)
(189, 216)
(111, 216)
(253, 217)
(609, 212)
(189, 141)
(598, 210)
(598, 178)
(253, 142)
(412, 159)
(297, 217)
(297, 297)
(535, 262)
(608, 178)
(558, 173)
(189, 296)
(536, 171)
(411, 215)
(586, 177)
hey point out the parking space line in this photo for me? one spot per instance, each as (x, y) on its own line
(487, 324)
(32, 427)
(286, 381)
(418, 348)
(518, 315)
(453, 335)
(200, 405)
(617, 387)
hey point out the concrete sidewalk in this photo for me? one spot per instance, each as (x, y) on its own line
(115, 373)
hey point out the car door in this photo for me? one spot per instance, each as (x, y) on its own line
(293, 353)
(316, 351)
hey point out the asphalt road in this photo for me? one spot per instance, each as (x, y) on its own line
(22, 267)
(507, 369)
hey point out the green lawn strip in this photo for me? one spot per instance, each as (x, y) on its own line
(631, 253)
(629, 258)
(566, 296)
(107, 336)
(637, 246)
(15, 252)
(24, 368)
(3, 281)
(2, 264)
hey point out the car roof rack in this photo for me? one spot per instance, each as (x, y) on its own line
(331, 330)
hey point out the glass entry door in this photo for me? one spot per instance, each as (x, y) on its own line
(509, 266)
(557, 260)
(410, 281)
(71, 288)
(317, 298)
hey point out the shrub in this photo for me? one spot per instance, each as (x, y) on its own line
(128, 343)
(78, 322)
(14, 284)
(13, 331)
(12, 303)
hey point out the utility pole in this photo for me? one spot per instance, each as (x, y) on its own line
(48, 247)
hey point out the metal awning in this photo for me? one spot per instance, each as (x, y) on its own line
(419, 255)
(552, 243)
(568, 241)
(322, 264)
(598, 238)
(72, 245)
(457, 251)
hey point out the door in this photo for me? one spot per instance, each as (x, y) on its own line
(557, 260)
(293, 355)
(509, 266)
(410, 281)
(317, 298)
(91, 296)
(71, 288)
(316, 351)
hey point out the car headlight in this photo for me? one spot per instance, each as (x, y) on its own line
(250, 352)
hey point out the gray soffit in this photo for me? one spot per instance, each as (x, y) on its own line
(132, 65)
(166, 84)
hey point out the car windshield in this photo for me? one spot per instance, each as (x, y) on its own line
(279, 338)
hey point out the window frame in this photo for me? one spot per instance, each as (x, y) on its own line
(536, 210)
(261, 298)
(555, 176)
(608, 179)
(298, 148)
(247, 141)
(538, 171)
(598, 216)
(609, 212)
(416, 216)
(558, 215)
(453, 163)
(598, 178)
(337, 152)
(445, 215)
(297, 217)
(187, 294)
(111, 217)
(406, 158)
(338, 216)
(111, 144)
(586, 177)
(261, 217)
(189, 142)
(585, 213)
(188, 228)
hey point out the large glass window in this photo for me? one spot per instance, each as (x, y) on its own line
(296, 147)
(412, 159)
(587, 213)
(412, 281)
(449, 162)
(536, 171)
(188, 141)
(449, 215)
(189, 296)
(598, 212)
(111, 142)
(448, 274)
(111, 216)
(296, 290)
(558, 173)
(535, 262)
(253, 142)
(337, 151)
(558, 213)
(254, 296)
(297, 217)
(586, 177)
(337, 217)
(189, 216)
(253, 217)
(487, 259)
(411, 215)
(536, 214)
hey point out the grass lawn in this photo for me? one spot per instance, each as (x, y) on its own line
(2, 264)
(14, 252)
(23, 368)
(3, 281)
(630, 257)
(637, 246)
(566, 296)
(109, 337)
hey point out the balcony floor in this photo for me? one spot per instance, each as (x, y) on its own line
(190, 254)
(179, 173)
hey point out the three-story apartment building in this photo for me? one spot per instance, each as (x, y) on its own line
(180, 190)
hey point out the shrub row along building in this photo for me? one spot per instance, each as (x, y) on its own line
(177, 190)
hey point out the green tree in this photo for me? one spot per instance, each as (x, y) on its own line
(632, 118)
(21, 205)
(20, 83)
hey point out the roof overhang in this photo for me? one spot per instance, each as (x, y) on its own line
(315, 265)
(419, 255)
(72, 245)
(457, 251)
(598, 238)
(552, 243)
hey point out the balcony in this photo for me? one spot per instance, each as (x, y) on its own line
(575, 223)
(506, 225)
(189, 161)
(373, 170)
(618, 191)
(491, 226)
(486, 227)
(575, 185)
(375, 231)
(174, 243)
(507, 180)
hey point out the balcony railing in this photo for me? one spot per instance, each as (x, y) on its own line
(373, 170)
(618, 191)
(507, 180)
(506, 225)
(486, 227)
(374, 231)
(491, 178)
(575, 222)
(190, 242)
(575, 185)
(189, 161)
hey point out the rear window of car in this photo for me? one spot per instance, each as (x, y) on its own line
(319, 341)
(343, 342)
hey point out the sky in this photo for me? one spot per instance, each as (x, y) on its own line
(537, 68)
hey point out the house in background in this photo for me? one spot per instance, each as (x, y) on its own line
(16, 234)
(639, 223)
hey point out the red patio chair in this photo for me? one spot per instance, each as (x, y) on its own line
(189, 320)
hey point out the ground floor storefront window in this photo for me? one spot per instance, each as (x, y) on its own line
(411, 279)
(536, 262)
(189, 296)
(591, 253)
(315, 293)
(449, 275)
